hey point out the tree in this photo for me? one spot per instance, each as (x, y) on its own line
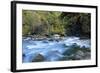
(77, 24)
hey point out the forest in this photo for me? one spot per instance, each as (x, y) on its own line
(48, 23)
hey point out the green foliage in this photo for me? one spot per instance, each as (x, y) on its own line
(77, 24)
(41, 22)
(50, 22)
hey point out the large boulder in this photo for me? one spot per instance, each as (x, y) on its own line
(80, 53)
(38, 58)
(87, 55)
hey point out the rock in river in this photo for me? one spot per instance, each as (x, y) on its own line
(38, 58)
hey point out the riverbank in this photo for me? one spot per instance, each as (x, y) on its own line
(50, 38)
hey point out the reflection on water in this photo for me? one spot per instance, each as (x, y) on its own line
(46, 50)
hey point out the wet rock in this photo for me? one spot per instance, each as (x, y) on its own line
(83, 47)
(74, 45)
(38, 58)
(50, 40)
(45, 41)
(23, 55)
(87, 56)
(77, 54)
(77, 57)
(56, 36)
(80, 53)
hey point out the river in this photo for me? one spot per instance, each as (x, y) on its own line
(50, 50)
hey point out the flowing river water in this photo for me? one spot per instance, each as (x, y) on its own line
(50, 50)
